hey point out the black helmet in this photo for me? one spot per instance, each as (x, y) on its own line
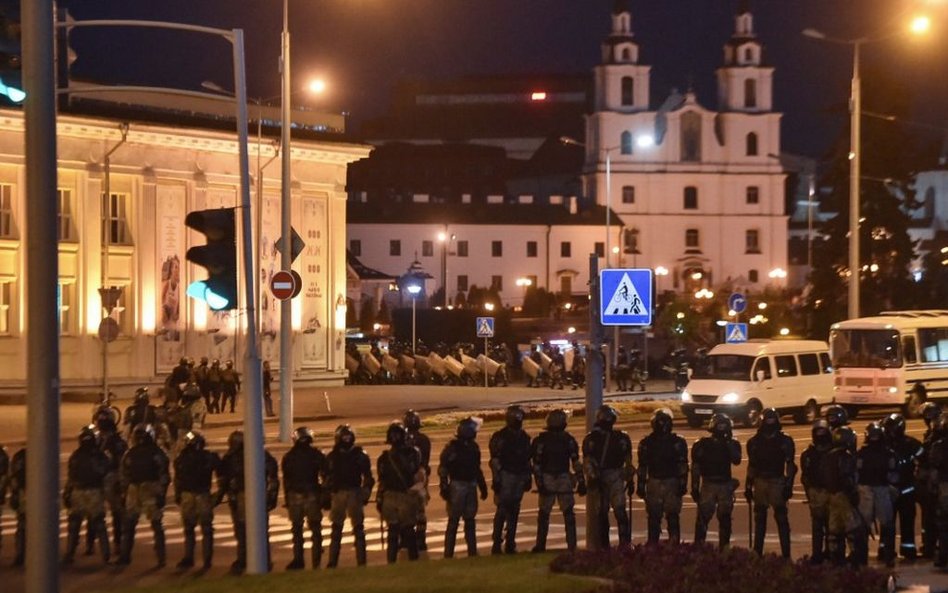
(929, 411)
(105, 419)
(203, 360)
(235, 440)
(940, 427)
(345, 436)
(894, 426)
(467, 428)
(412, 421)
(143, 433)
(606, 416)
(183, 361)
(662, 421)
(874, 433)
(556, 420)
(844, 437)
(304, 436)
(836, 416)
(141, 395)
(88, 436)
(721, 425)
(194, 440)
(397, 434)
(821, 433)
(514, 417)
(770, 420)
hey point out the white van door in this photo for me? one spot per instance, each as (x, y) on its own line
(786, 391)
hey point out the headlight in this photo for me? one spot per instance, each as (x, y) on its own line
(729, 398)
(685, 396)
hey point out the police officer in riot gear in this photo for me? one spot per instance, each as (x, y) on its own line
(712, 487)
(213, 387)
(302, 468)
(230, 385)
(194, 471)
(180, 375)
(607, 461)
(232, 483)
(84, 494)
(17, 486)
(114, 446)
(876, 478)
(199, 377)
(145, 479)
(770, 473)
(399, 469)
(556, 471)
(510, 477)
(420, 440)
(816, 494)
(938, 463)
(907, 451)
(925, 486)
(663, 476)
(460, 478)
(838, 471)
(349, 479)
(836, 416)
(140, 412)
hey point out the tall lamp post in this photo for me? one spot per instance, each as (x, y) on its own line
(413, 290)
(919, 25)
(286, 257)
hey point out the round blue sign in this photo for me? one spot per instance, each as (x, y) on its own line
(737, 302)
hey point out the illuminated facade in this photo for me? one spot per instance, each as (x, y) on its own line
(133, 236)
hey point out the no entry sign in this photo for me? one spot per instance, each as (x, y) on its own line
(283, 285)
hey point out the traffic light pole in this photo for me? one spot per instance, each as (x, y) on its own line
(42, 277)
(254, 464)
(286, 255)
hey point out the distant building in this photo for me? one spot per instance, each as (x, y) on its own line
(929, 223)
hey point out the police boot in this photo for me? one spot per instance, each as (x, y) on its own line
(128, 541)
(497, 536)
(760, 529)
(240, 533)
(624, 527)
(409, 542)
(391, 544)
(783, 531)
(117, 530)
(724, 531)
(674, 528)
(860, 541)
(819, 539)
(102, 534)
(207, 544)
(316, 552)
(297, 563)
(358, 531)
(701, 529)
(836, 548)
(335, 542)
(72, 538)
(887, 535)
(543, 527)
(159, 542)
(470, 537)
(421, 535)
(510, 544)
(941, 558)
(569, 522)
(90, 542)
(189, 545)
(450, 536)
(654, 527)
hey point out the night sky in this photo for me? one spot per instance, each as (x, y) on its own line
(362, 47)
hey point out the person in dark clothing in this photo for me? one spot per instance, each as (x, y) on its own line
(607, 461)
(140, 412)
(84, 494)
(420, 440)
(349, 478)
(938, 463)
(876, 478)
(214, 387)
(199, 376)
(145, 480)
(816, 494)
(662, 476)
(194, 471)
(925, 487)
(770, 473)
(302, 466)
(114, 446)
(230, 385)
(460, 479)
(557, 471)
(907, 451)
(399, 469)
(712, 487)
(179, 376)
(838, 474)
(267, 393)
(510, 478)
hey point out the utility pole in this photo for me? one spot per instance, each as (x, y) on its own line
(594, 371)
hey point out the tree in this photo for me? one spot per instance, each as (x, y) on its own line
(886, 250)
(367, 314)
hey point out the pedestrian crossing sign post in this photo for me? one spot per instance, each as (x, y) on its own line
(485, 327)
(735, 333)
(625, 296)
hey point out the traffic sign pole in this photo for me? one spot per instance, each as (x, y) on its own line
(594, 373)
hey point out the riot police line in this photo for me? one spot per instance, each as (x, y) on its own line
(853, 494)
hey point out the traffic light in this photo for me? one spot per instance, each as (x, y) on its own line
(11, 79)
(219, 256)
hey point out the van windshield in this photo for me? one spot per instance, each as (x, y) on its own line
(732, 367)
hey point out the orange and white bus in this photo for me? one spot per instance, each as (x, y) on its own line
(897, 358)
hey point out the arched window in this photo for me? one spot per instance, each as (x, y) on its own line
(626, 55)
(628, 90)
(691, 137)
(752, 144)
(625, 144)
(750, 93)
(748, 55)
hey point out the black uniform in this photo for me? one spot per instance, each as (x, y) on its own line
(145, 479)
(349, 479)
(926, 492)
(770, 473)
(510, 477)
(938, 460)
(84, 497)
(557, 472)
(268, 391)
(460, 478)
(194, 471)
(114, 446)
(302, 466)
(421, 442)
(876, 476)
(230, 385)
(139, 413)
(663, 481)
(712, 487)
(232, 483)
(399, 470)
(816, 494)
(607, 461)
(907, 450)
(838, 475)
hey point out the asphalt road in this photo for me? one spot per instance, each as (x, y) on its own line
(88, 574)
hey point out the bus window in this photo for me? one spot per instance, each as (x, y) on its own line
(908, 349)
(825, 363)
(786, 366)
(762, 365)
(876, 348)
(933, 343)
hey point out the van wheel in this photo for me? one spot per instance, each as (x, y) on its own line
(916, 398)
(752, 415)
(808, 414)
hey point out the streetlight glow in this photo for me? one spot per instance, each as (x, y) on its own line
(661, 271)
(645, 141)
(920, 24)
(317, 86)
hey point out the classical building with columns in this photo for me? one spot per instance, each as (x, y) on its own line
(121, 224)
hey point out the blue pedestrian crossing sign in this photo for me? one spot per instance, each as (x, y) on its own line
(625, 296)
(735, 333)
(485, 327)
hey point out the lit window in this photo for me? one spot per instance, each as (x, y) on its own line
(115, 220)
(64, 222)
(66, 312)
(538, 96)
(7, 228)
(6, 300)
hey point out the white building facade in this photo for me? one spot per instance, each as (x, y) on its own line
(134, 238)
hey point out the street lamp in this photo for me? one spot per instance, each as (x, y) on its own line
(413, 290)
(919, 25)
(444, 238)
